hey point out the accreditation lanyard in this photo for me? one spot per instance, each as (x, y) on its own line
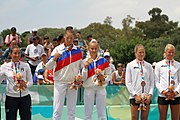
(140, 66)
(170, 66)
(16, 69)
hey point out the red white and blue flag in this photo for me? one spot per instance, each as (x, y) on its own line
(102, 64)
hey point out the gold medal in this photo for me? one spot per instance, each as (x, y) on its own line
(90, 60)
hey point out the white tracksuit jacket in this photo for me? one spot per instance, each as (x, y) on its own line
(6, 72)
(162, 76)
(134, 79)
(67, 66)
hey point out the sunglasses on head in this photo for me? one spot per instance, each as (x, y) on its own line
(119, 66)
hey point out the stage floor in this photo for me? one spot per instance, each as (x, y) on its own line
(117, 112)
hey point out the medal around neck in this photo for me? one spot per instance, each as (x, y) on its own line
(90, 60)
(142, 105)
(143, 83)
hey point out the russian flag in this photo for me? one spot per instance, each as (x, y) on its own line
(66, 59)
(102, 63)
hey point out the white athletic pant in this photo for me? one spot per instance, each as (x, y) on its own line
(60, 92)
(98, 94)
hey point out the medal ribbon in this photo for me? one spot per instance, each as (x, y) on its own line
(140, 65)
(16, 69)
(170, 65)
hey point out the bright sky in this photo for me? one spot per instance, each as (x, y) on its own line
(29, 14)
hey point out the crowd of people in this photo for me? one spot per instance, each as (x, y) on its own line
(70, 62)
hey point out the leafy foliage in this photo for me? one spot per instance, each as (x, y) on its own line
(108, 20)
(5, 32)
(158, 24)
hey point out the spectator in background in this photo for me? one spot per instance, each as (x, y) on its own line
(35, 34)
(89, 38)
(167, 74)
(6, 55)
(54, 43)
(33, 53)
(60, 39)
(101, 51)
(49, 76)
(47, 46)
(38, 77)
(108, 57)
(13, 36)
(118, 76)
(81, 43)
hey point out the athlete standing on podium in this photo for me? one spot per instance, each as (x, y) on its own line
(66, 60)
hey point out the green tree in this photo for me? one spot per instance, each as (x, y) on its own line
(157, 26)
(104, 33)
(127, 29)
(5, 32)
(50, 32)
(123, 50)
(108, 20)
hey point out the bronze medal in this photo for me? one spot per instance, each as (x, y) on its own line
(172, 82)
(143, 83)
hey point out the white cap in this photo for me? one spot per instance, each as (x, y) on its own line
(34, 30)
(43, 54)
(40, 77)
(107, 54)
(93, 40)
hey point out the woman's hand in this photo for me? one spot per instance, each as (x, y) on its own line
(56, 56)
(89, 61)
(148, 100)
(137, 98)
(86, 64)
(23, 85)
